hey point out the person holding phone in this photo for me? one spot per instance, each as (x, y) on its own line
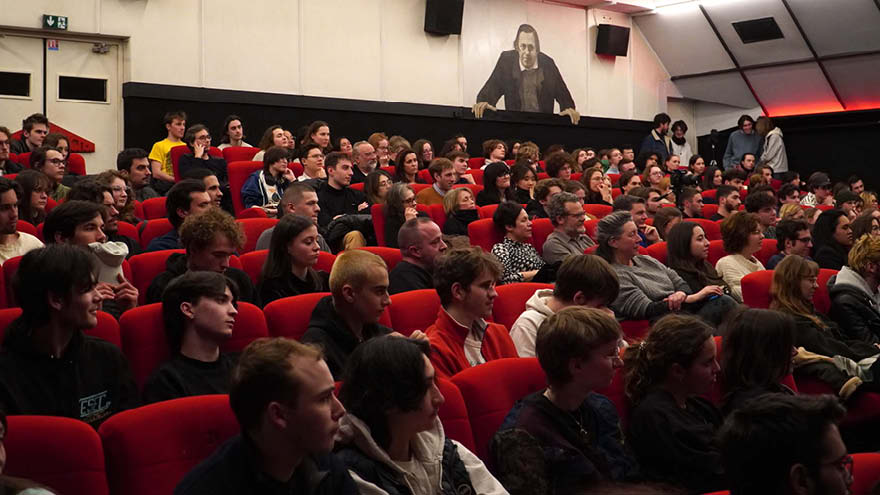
(265, 187)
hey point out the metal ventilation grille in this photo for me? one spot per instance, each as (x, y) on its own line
(756, 30)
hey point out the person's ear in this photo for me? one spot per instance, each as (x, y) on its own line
(677, 372)
(55, 301)
(275, 415)
(348, 293)
(458, 292)
(182, 213)
(579, 298)
(186, 308)
(799, 480)
(59, 239)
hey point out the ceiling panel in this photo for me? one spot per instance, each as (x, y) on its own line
(793, 89)
(857, 79)
(729, 89)
(683, 40)
(792, 47)
(841, 26)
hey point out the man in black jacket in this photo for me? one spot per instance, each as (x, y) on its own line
(420, 241)
(335, 195)
(47, 365)
(855, 303)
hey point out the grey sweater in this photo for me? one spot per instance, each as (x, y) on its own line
(739, 143)
(643, 286)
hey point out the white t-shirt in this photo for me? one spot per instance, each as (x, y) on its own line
(19, 247)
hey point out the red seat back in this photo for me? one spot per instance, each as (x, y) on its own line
(477, 174)
(145, 267)
(484, 234)
(76, 164)
(475, 188)
(152, 229)
(598, 211)
(252, 264)
(253, 212)
(615, 192)
(438, 215)
(24, 159)
(139, 209)
(709, 210)
(658, 251)
(756, 290)
(155, 208)
(391, 256)
(61, 453)
(866, 472)
(712, 229)
(107, 327)
(150, 449)
(26, 227)
(453, 414)
(378, 214)
(591, 226)
(476, 162)
(541, 230)
(511, 301)
(486, 211)
(325, 261)
(635, 330)
(414, 310)
(252, 228)
(821, 299)
(768, 249)
(239, 153)
(710, 194)
(289, 317)
(716, 252)
(614, 178)
(511, 379)
(425, 176)
(129, 230)
(238, 174)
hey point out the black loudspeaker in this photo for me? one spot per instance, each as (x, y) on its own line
(612, 40)
(443, 16)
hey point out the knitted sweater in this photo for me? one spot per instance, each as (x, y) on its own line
(733, 268)
(643, 286)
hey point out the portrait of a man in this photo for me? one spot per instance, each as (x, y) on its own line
(527, 78)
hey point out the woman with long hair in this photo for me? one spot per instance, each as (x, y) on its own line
(273, 136)
(35, 188)
(865, 224)
(406, 166)
(122, 197)
(742, 237)
(460, 207)
(712, 178)
(496, 185)
(832, 239)
(523, 179)
(377, 185)
(598, 192)
(665, 219)
(520, 259)
(425, 152)
(773, 153)
(697, 166)
(400, 206)
(293, 252)
(672, 427)
(232, 133)
(319, 133)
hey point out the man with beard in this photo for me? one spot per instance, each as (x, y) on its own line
(12, 243)
(657, 141)
(741, 141)
(364, 156)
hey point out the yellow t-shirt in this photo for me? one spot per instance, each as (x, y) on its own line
(161, 152)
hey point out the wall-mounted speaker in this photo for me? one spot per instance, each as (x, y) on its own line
(443, 16)
(612, 40)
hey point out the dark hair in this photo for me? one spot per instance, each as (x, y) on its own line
(305, 149)
(693, 160)
(687, 194)
(266, 141)
(853, 179)
(663, 217)
(679, 124)
(755, 201)
(199, 173)
(189, 136)
(823, 230)
(591, 196)
(789, 176)
(661, 118)
(333, 158)
(742, 120)
(757, 349)
(64, 218)
(542, 188)
(736, 229)
(761, 441)
(125, 158)
(732, 174)
(505, 215)
(273, 155)
(88, 190)
(520, 172)
(34, 118)
(224, 134)
(31, 180)
(490, 145)
(862, 225)
(709, 178)
(419, 147)
(399, 170)
(57, 269)
(725, 190)
(179, 198)
(572, 333)
(38, 157)
(625, 202)
(556, 161)
(372, 185)
(641, 160)
(624, 179)
(674, 339)
(313, 128)
(490, 189)
(462, 266)
(527, 28)
(8, 185)
(787, 230)
(588, 274)
(680, 259)
(190, 287)
(278, 261)
(786, 190)
(174, 114)
(385, 373)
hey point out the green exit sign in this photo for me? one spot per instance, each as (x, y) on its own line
(55, 22)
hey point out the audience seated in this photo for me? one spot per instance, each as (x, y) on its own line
(494, 150)
(763, 206)
(377, 185)
(207, 177)
(789, 194)
(853, 292)
(665, 219)
(629, 181)
(832, 239)
(461, 337)
(312, 159)
(598, 189)
(496, 185)
(545, 189)
(425, 151)
(13, 485)
(233, 133)
(792, 237)
(334, 195)
(7, 166)
(523, 180)
(120, 189)
(363, 157)
(786, 444)
(298, 199)
(461, 209)
(265, 187)
(391, 438)
(672, 427)
(713, 178)
(350, 315)
(210, 239)
(728, 202)
(865, 225)
(742, 235)
(186, 198)
(288, 269)
(35, 188)
(400, 207)
(160, 154)
(520, 260)
(282, 395)
(569, 235)
(273, 136)
(789, 211)
(691, 203)
(51, 162)
(582, 280)
(12, 242)
(135, 164)
(198, 139)
(638, 211)
(443, 173)
(406, 166)
(34, 130)
(379, 142)
(734, 177)
(420, 242)
(48, 366)
(459, 161)
(91, 190)
(198, 309)
(819, 187)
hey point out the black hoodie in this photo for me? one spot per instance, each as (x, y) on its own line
(175, 266)
(329, 330)
(90, 382)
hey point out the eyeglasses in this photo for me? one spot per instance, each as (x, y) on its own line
(845, 463)
(204, 138)
(4, 144)
(410, 201)
(55, 161)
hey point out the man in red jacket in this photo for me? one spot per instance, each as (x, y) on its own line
(461, 337)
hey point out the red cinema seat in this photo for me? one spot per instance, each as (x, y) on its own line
(419, 187)
(476, 162)
(414, 310)
(50, 203)
(484, 234)
(358, 187)
(614, 178)
(145, 267)
(709, 211)
(475, 188)
(511, 379)
(155, 208)
(252, 264)
(866, 472)
(425, 176)
(477, 174)
(289, 317)
(541, 230)
(635, 330)
(252, 228)
(756, 289)
(325, 261)
(598, 211)
(658, 251)
(543, 175)
(296, 168)
(130, 231)
(253, 212)
(390, 169)
(716, 252)
(238, 174)
(511, 301)
(710, 194)
(591, 226)
(391, 256)
(825, 207)
(139, 209)
(26, 227)
(106, 329)
(76, 164)
(453, 414)
(862, 409)
(150, 449)
(239, 153)
(24, 159)
(4, 288)
(768, 249)
(486, 211)
(61, 453)
(821, 299)
(615, 192)
(711, 228)
(152, 229)
(438, 215)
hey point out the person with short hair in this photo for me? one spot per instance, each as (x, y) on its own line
(742, 141)
(160, 154)
(288, 270)
(7, 166)
(628, 181)
(672, 427)
(728, 202)
(545, 189)
(763, 206)
(569, 234)
(364, 159)
(665, 219)
(559, 165)
(734, 177)
(198, 140)
(567, 437)
(350, 315)
(34, 130)
(48, 366)
(741, 234)
(135, 164)
(849, 202)
(187, 197)
(819, 187)
(51, 162)
(281, 393)
(335, 195)
(233, 133)
(747, 164)
(792, 237)
(460, 207)
(298, 199)
(420, 241)
(786, 444)
(853, 292)
(461, 337)
(496, 185)
(459, 161)
(391, 439)
(494, 150)
(519, 258)
(312, 159)
(91, 190)
(12, 242)
(789, 194)
(443, 173)
(219, 199)
(637, 208)
(691, 202)
(582, 280)
(832, 239)
(210, 239)
(657, 141)
(264, 188)
(198, 310)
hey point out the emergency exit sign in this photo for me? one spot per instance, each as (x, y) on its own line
(55, 22)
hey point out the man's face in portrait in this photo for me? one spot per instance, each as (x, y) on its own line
(527, 48)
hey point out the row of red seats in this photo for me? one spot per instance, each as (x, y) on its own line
(75, 162)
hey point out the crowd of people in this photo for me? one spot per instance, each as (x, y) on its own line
(382, 433)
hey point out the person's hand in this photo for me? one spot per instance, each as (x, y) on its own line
(271, 210)
(480, 107)
(363, 206)
(529, 275)
(198, 149)
(605, 192)
(572, 114)
(105, 290)
(410, 213)
(418, 334)
(469, 178)
(126, 293)
(675, 300)
(651, 234)
(707, 291)
(288, 175)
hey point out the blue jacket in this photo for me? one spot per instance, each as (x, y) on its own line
(656, 144)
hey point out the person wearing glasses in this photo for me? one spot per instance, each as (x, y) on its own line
(792, 237)
(7, 166)
(832, 239)
(400, 206)
(123, 200)
(51, 162)
(264, 188)
(569, 235)
(819, 185)
(198, 139)
(312, 162)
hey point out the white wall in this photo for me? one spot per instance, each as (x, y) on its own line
(710, 116)
(373, 50)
